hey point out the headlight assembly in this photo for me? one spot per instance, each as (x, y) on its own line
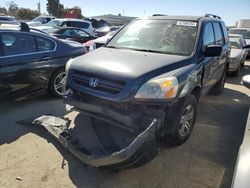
(163, 88)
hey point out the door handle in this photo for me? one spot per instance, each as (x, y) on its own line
(45, 58)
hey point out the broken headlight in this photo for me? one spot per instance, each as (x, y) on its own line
(162, 88)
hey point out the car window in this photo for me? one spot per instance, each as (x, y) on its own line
(208, 35)
(18, 43)
(69, 32)
(218, 34)
(175, 37)
(44, 44)
(225, 32)
(245, 33)
(83, 25)
(81, 33)
(235, 42)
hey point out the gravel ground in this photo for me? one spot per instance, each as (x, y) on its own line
(31, 158)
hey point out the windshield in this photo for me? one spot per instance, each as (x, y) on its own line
(55, 23)
(243, 32)
(160, 36)
(38, 19)
(234, 42)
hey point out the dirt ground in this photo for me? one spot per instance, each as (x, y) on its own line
(31, 158)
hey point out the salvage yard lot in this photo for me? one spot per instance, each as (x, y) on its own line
(207, 159)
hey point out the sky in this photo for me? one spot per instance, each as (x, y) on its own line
(229, 10)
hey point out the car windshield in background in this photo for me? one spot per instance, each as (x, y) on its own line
(243, 32)
(38, 19)
(160, 36)
(234, 42)
(55, 23)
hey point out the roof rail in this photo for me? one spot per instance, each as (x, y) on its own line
(23, 25)
(213, 16)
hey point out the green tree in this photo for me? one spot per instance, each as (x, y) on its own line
(12, 8)
(55, 8)
(3, 10)
(27, 14)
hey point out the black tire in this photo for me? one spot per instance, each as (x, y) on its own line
(54, 81)
(180, 132)
(219, 86)
(242, 64)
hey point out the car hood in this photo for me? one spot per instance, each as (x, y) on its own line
(126, 64)
(235, 53)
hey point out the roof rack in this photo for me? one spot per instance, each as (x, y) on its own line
(23, 25)
(213, 16)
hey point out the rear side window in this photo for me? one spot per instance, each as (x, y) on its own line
(225, 32)
(219, 39)
(208, 35)
(44, 45)
(83, 25)
(17, 43)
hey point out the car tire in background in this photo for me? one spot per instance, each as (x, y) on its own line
(219, 86)
(58, 84)
(184, 126)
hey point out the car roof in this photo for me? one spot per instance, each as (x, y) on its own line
(235, 35)
(181, 17)
(72, 19)
(238, 28)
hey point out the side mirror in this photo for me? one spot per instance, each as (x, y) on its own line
(213, 50)
(246, 46)
(246, 81)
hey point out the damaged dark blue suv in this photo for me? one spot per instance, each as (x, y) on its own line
(144, 84)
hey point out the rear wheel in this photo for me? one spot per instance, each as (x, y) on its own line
(58, 84)
(184, 126)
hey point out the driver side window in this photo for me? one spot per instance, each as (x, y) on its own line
(208, 35)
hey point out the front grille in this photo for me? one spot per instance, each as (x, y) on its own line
(106, 85)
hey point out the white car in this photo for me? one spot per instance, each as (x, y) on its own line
(68, 22)
(238, 53)
(40, 20)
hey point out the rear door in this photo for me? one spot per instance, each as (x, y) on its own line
(25, 66)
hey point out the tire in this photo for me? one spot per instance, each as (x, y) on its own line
(242, 64)
(219, 86)
(184, 126)
(57, 84)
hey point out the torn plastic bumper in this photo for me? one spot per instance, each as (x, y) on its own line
(100, 144)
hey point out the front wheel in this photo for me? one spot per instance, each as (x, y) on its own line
(184, 126)
(58, 84)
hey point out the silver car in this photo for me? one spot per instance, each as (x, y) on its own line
(238, 53)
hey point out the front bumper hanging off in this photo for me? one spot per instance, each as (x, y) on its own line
(100, 144)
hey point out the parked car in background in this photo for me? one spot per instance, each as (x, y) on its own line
(71, 33)
(85, 25)
(100, 32)
(245, 32)
(40, 20)
(238, 53)
(7, 18)
(32, 62)
(99, 42)
(144, 84)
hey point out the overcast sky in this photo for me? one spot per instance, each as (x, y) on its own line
(229, 10)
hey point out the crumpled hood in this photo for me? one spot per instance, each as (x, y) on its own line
(124, 63)
(235, 53)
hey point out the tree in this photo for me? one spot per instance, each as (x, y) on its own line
(12, 8)
(3, 10)
(55, 8)
(27, 14)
